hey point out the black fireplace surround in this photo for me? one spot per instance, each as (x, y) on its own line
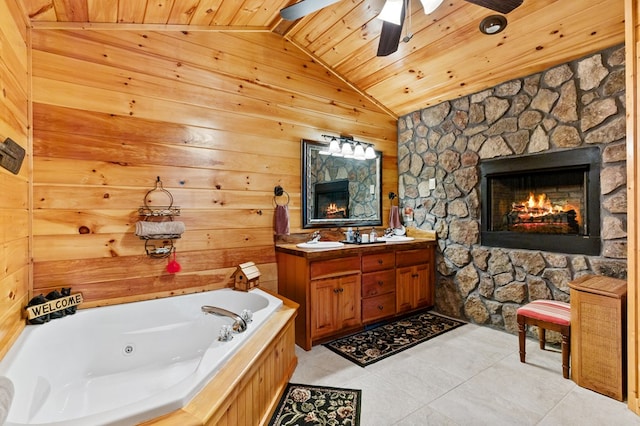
(575, 171)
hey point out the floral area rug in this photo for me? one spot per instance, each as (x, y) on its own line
(380, 342)
(317, 405)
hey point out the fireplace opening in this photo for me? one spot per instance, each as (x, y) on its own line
(548, 202)
(332, 200)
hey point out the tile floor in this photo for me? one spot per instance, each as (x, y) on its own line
(469, 376)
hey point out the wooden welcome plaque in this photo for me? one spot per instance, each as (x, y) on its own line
(54, 305)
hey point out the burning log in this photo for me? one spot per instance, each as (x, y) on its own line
(542, 217)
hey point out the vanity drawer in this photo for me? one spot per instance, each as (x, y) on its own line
(378, 307)
(334, 267)
(376, 283)
(413, 257)
(378, 262)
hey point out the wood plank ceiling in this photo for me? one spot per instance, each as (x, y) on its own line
(446, 58)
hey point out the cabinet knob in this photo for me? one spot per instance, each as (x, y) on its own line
(336, 290)
(380, 261)
(415, 275)
(380, 283)
(380, 307)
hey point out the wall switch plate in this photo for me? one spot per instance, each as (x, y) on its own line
(372, 189)
(432, 183)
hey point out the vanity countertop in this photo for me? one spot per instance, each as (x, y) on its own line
(354, 249)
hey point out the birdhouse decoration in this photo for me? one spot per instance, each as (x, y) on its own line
(247, 276)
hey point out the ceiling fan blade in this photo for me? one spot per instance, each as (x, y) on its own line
(390, 36)
(501, 6)
(303, 8)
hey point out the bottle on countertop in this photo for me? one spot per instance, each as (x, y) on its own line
(373, 235)
(350, 235)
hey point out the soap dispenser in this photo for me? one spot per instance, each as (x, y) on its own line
(373, 235)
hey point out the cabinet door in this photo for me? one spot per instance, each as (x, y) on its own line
(335, 304)
(404, 289)
(348, 300)
(323, 307)
(423, 288)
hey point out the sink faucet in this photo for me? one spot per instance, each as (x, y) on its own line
(315, 237)
(239, 324)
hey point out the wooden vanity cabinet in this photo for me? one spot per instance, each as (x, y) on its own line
(414, 279)
(341, 290)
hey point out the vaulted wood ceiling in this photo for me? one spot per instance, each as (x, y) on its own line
(446, 58)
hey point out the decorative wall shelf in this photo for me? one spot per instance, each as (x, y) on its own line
(157, 227)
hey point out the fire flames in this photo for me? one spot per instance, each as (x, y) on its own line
(539, 205)
(333, 210)
(539, 214)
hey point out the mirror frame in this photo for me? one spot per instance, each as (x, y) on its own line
(310, 222)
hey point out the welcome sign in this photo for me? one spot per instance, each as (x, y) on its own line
(54, 305)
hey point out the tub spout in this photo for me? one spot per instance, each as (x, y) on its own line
(239, 324)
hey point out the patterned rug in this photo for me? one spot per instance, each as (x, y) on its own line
(372, 345)
(317, 405)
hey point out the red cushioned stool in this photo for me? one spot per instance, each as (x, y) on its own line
(547, 315)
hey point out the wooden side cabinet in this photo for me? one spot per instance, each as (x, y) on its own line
(598, 334)
(414, 279)
(335, 305)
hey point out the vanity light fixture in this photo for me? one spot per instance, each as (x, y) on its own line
(347, 147)
(493, 24)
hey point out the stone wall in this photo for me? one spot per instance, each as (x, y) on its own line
(570, 106)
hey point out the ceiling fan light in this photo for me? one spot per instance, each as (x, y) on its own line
(493, 24)
(430, 5)
(392, 11)
(369, 153)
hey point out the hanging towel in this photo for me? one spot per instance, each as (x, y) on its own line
(6, 397)
(156, 229)
(281, 220)
(394, 218)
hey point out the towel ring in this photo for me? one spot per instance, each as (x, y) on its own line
(279, 192)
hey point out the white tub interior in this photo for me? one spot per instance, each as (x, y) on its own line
(125, 363)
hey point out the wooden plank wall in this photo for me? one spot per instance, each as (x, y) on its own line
(632, 37)
(14, 199)
(218, 116)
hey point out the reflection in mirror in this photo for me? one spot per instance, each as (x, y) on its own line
(339, 191)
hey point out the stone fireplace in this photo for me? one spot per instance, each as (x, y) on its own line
(545, 202)
(559, 113)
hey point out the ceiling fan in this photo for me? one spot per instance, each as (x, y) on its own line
(391, 32)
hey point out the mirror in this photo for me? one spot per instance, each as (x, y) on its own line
(339, 191)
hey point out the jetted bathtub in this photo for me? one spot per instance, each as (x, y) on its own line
(126, 363)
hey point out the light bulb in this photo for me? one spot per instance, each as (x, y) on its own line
(334, 146)
(346, 149)
(369, 153)
(358, 153)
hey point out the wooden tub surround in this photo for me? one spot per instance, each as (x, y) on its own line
(247, 389)
(343, 289)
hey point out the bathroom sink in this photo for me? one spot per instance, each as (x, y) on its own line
(396, 238)
(320, 245)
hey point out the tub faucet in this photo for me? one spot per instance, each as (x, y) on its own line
(239, 324)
